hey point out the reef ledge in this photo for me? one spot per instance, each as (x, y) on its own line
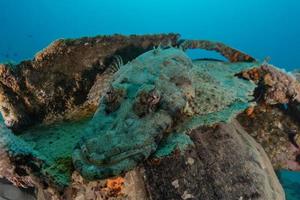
(134, 117)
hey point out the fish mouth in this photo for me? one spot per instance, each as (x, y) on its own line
(118, 155)
(101, 166)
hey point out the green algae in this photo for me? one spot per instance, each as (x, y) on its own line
(12, 144)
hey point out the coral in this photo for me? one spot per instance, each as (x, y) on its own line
(276, 86)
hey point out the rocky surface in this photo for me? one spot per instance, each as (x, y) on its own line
(10, 192)
(277, 131)
(158, 112)
(225, 163)
(275, 86)
(274, 121)
(60, 77)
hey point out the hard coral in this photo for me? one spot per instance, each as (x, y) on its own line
(278, 87)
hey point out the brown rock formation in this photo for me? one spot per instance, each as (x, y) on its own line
(224, 164)
(61, 76)
(275, 129)
(275, 86)
(274, 121)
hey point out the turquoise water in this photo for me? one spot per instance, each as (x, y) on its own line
(259, 27)
(291, 183)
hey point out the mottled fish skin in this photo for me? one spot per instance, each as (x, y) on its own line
(147, 100)
(138, 110)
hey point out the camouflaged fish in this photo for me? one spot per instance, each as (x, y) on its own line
(149, 107)
(160, 94)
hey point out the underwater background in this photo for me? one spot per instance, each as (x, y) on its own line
(262, 28)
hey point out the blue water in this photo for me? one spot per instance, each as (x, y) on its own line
(291, 184)
(259, 27)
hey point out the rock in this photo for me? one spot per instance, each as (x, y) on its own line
(190, 161)
(274, 122)
(61, 76)
(275, 86)
(130, 187)
(10, 192)
(228, 164)
(231, 54)
(175, 184)
(276, 130)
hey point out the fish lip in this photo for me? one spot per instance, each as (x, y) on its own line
(115, 158)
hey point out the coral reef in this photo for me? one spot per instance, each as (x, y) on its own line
(276, 87)
(115, 113)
